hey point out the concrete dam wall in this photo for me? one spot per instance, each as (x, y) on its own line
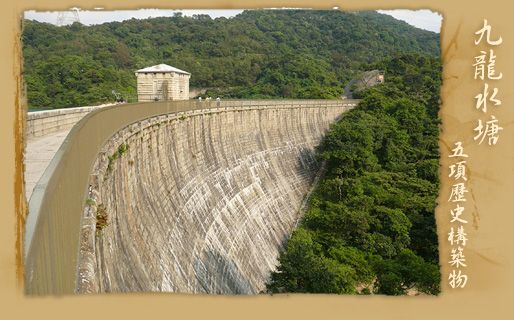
(41, 123)
(196, 201)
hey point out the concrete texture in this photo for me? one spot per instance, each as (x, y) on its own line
(42, 123)
(46, 130)
(38, 154)
(213, 181)
(200, 204)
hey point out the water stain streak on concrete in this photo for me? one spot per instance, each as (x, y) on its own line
(199, 202)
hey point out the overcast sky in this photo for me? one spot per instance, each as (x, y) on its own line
(424, 19)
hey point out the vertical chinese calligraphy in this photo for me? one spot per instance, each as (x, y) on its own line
(457, 236)
(484, 65)
(487, 130)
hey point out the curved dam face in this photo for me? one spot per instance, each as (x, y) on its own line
(199, 202)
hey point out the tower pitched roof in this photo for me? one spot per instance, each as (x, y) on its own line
(162, 68)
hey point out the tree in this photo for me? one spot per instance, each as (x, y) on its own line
(256, 54)
(369, 221)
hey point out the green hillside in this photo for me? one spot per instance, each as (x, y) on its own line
(369, 226)
(256, 54)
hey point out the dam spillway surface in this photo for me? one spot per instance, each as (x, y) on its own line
(198, 202)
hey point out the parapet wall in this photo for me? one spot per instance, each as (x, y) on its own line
(200, 199)
(41, 123)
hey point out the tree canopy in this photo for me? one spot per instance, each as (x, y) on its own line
(369, 225)
(256, 54)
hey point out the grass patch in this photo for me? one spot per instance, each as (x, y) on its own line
(122, 149)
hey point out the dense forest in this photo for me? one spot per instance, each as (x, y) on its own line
(369, 226)
(256, 54)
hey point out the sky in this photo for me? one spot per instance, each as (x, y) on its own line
(424, 19)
